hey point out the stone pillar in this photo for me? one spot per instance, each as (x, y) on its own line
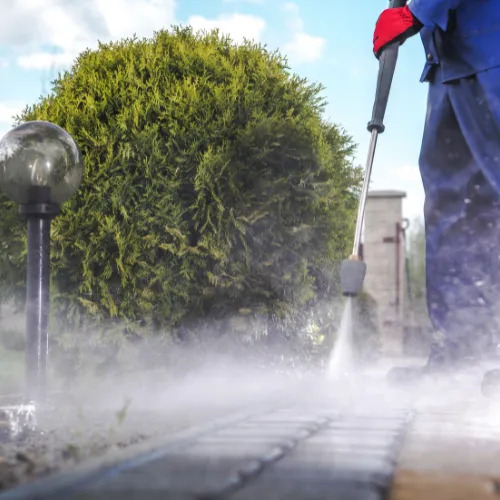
(384, 254)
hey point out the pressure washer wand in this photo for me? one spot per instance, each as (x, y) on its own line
(353, 270)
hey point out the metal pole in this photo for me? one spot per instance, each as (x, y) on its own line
(39, 213)
(364, 192)
(398, 264)
(37, 306)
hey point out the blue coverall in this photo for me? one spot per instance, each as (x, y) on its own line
(460, 167)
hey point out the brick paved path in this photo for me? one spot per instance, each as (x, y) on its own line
(370, 445)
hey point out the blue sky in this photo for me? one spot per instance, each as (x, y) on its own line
(326, 40)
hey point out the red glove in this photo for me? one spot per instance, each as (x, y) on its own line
(394, 25)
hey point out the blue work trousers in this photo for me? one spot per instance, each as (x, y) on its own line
(460, 168)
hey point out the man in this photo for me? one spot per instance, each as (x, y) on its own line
(460, 168)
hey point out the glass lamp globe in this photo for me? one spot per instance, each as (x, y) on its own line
(39, 154)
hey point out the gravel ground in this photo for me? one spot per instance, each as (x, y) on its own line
(88, 423)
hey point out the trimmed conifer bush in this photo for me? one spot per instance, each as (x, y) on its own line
(213, 186)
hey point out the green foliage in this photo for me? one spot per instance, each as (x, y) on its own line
(420, 333)
(213, 186)
(13, 241)
(416, 259)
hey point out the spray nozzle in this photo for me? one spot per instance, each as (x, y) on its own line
(352, 276)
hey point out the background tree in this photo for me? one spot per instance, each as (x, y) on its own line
(416, 304)
(213, 188)
(416, 257)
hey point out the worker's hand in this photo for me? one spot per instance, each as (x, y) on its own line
(394, 25)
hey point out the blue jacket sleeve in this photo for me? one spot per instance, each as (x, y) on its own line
(432, 13)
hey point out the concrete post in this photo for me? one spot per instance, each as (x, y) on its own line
(384, 254)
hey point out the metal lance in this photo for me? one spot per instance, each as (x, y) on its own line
(353, 270)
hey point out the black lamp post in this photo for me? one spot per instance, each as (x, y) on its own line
(40, 168)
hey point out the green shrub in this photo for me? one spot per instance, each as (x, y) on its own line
(213, 186)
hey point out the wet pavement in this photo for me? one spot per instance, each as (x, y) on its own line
(345, 442)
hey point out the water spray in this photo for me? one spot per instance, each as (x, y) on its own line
(353, 269)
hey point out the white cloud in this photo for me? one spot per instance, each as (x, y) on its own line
(294, 21)
(44, 60)
(237, 26)
(71, 26)
(8, 110)
(303, 48)
(4, 63)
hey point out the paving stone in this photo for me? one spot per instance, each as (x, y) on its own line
(274, 489)
(236, 450)
(130, 494)
(355, 438)
(286, 419)
(456, 453)
(244, 441)
(237, 433)
(449, 456)
(299, 491)
(431, 485)
(320, 467)
(185, 474)
(367, 426)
